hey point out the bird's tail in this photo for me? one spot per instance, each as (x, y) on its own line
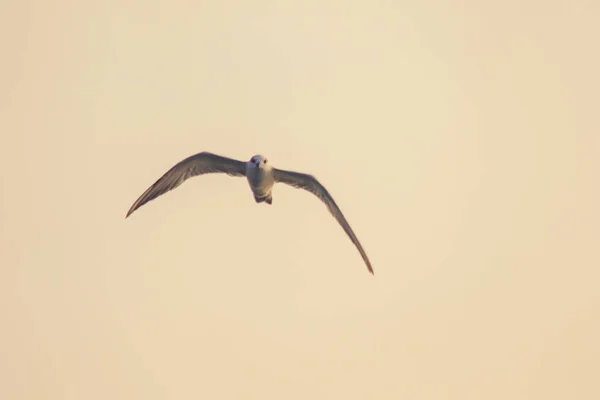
(266, 199)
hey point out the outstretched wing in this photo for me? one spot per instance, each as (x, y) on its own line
(198, 164)
(311, 184)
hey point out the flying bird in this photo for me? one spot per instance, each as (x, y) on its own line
(261, 177)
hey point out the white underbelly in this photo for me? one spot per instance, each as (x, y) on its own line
(260, 181)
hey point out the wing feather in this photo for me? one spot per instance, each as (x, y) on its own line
(198, 164)
(312, 185)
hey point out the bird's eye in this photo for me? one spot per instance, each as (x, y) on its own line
(265, 160)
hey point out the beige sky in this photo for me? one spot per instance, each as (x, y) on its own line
(460, 139)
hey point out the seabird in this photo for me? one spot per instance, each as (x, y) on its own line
(261, 177)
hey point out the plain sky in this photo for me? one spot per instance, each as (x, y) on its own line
(460, 139)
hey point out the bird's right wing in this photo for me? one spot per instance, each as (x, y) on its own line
(198, 164)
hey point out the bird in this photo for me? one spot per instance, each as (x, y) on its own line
(261, 177)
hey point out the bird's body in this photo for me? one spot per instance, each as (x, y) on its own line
(261, 177)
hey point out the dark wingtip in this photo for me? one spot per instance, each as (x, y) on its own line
(367, 262)
(369, 267)
(133, 207)
(129, 213)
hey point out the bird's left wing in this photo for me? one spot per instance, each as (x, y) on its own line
(312, 185)
(198, 164)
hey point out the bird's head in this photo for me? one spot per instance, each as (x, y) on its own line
(259, 161)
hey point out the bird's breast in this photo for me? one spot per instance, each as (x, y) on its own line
(261, 181)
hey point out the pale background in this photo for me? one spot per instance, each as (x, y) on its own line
(460, 139)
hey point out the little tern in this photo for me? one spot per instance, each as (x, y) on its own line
(261, 177)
